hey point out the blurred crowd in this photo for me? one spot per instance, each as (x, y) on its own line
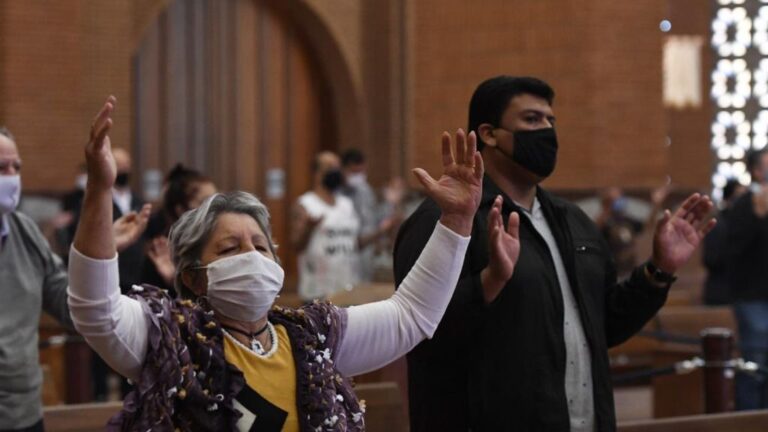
(343, 229)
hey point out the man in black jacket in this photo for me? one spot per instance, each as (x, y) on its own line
(717, 288)
(748, 239)
(529, 352)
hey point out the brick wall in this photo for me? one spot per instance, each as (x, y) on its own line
(59, 60)
(602, 57)
(691, 160)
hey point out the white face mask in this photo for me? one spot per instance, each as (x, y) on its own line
(358, 179)
(244, 287)
(10, 193)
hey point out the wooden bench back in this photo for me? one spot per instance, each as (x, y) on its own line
(748, 421)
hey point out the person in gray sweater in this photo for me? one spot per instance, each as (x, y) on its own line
(32, 279)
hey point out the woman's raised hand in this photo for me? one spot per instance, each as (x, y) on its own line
(458, 191)
(98, 152)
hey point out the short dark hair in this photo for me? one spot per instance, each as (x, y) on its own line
(352, 157)
(181, 185)
(753, 159)
(492, 96)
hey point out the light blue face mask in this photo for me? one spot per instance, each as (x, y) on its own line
(244, 287)
(10, 193)
(620, 205)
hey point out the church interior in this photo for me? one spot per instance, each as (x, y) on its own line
(309, 106)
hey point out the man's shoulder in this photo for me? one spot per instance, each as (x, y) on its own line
(307, 199)
(561, 203)
(743, 202)
(574, 215)
(20, 221)
(26, 234)
(427, 211)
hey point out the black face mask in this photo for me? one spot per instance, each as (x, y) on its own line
(122, 179)
(332, 180)
(535, 150)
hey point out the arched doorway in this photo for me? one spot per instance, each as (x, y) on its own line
(231, 88)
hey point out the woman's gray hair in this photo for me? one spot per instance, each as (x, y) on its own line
(191, 232)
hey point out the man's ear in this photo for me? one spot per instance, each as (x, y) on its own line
(485, 134)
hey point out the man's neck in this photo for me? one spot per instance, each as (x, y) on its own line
(519, 192)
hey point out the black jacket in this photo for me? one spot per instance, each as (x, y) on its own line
(501, 367)
(715, 256)
(748, 251)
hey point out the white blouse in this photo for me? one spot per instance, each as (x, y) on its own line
(377, 333)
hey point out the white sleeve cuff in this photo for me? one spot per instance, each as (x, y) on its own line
(92, 279)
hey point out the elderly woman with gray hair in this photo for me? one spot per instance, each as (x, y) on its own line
(224, 357)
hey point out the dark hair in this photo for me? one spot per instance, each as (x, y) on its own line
(180, 187)
(753, 159)
(352, 157)
(492, 96)
(730, 188)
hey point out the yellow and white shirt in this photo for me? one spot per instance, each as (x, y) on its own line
(268, 400)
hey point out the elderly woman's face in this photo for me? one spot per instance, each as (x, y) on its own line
(234, 234)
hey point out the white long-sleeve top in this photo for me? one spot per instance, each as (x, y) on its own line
(377, 333)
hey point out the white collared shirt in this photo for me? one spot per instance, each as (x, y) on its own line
(578, 366)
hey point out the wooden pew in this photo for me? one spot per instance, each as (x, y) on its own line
(53, 362)
(747, 421)
(397, 371)
(384, 407)
(673, 395)
(90, 417)
(366, 293)
(687, 321)
(66, 366)
(383, 412)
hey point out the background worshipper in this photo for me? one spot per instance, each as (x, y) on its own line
(621, 230)
(529, 353)
(747, 225)
(33, 278)
(224, 357)
(184, 189)
(357, 189)
(326, 233)
(715, 257)
(380, 220)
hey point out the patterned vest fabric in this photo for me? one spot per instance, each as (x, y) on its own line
(187, 385)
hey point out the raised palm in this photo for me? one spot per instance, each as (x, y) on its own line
(503, 244)
(458, 190)
(102, 169)
(678, 235)
(128, 228)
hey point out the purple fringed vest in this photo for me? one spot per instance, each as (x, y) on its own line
(187, 385)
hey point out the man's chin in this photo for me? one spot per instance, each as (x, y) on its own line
(525, 176)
